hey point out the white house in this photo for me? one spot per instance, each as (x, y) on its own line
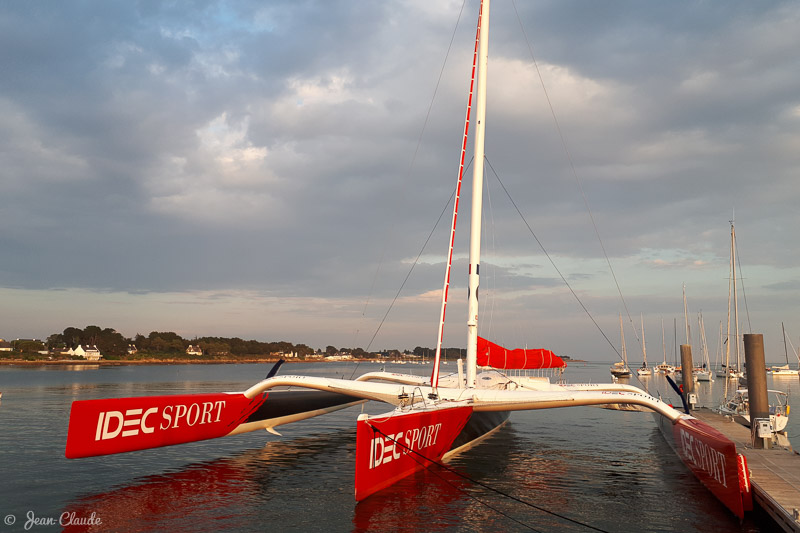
(90, 352)
(194, 350)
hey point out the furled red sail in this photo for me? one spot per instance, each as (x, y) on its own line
(494, 355)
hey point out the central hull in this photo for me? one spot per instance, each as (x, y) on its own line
(393, 446)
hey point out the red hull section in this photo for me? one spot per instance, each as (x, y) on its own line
(496, 356)
(713, 459)
(391, 447)
(102, 427)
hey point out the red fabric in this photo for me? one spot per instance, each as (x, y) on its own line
(494, 355)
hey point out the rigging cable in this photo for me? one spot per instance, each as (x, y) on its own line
(411, 166)
(484, 485)
(549, 258)
(744, 294)
(408, 275)
(419, 141)
(574, 172)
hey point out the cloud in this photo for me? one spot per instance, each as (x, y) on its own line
(301, 153)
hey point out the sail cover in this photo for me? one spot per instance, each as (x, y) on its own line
(494, 355)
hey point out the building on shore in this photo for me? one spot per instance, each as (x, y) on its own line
(90, 352)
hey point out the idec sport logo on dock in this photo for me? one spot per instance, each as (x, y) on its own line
(102, 427)
(389, 448)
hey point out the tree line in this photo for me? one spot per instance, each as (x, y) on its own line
(113, 344)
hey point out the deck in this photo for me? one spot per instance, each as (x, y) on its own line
(775, 473)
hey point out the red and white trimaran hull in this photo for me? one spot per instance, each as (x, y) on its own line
(432, 417)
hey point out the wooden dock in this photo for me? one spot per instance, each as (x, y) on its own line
(775, 473)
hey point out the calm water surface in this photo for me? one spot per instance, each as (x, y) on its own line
(611, 470)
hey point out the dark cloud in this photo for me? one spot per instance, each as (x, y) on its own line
(287, 148)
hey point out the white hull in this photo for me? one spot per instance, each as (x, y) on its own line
(785, 372)
(704, 375)
(739, 408)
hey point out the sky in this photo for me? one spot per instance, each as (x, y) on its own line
(272, 170)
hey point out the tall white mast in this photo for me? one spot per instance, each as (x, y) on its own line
(644, 345)
(477, 200)
(735, 301)
(622, 336)
(728, 328)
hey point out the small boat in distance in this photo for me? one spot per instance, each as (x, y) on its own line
(704, 373)
(727, 371)
(664, 367)
(784, 370)
(644, 370)
(620, 368)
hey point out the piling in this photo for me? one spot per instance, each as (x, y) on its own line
(687, 368)
(756, 384)
(687, 373)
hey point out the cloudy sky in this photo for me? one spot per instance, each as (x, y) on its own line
(271, 170)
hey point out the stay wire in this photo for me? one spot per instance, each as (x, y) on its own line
(408, 275)
(741, 280)
(549, 258)
(574, 172)
(416, 151)
(487, 487)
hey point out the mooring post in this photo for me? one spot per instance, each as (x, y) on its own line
(756, 386)
(687, 373)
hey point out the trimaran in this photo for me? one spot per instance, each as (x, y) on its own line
(432, 417)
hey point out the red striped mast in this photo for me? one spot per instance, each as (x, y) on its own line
(445, 289)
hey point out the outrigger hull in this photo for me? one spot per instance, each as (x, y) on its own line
(117, 425)
(712, 458)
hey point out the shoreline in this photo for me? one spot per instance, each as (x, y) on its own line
(67, 362)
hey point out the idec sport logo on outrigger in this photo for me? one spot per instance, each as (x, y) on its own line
(393, 446)
(101, 427)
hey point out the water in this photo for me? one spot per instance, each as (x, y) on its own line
(608, 469)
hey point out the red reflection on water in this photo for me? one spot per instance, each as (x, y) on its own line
(210, 495)
(144, 505)
(409, 504)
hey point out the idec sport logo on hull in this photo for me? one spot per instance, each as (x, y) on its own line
(714, 460)
(101, 427)
(391, 447)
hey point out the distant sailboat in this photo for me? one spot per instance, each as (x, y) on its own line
(704, 374)
(644, 370)
(784, 370)
(727, 370)
(664, 367)
(620, 368)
